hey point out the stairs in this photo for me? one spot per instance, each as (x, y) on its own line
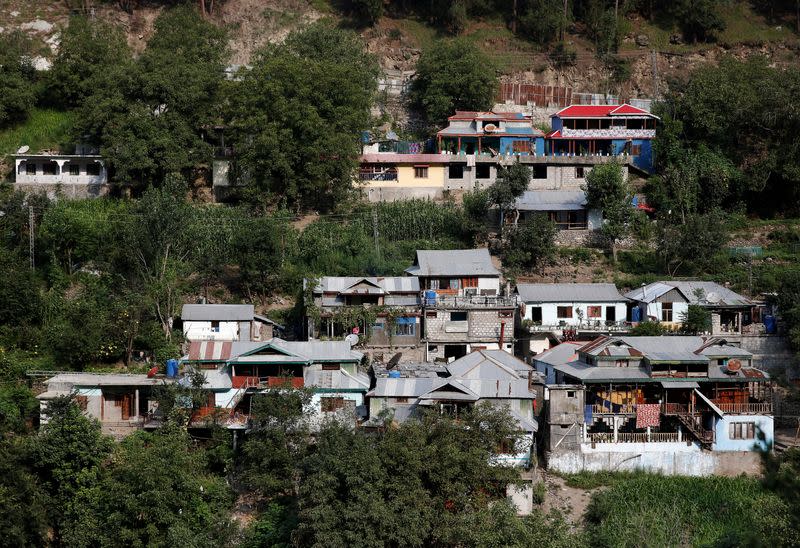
(694, 425)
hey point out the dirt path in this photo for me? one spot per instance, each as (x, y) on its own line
(570, 502)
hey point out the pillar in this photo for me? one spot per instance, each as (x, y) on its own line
(616, 429)
(680, 434)
(136, 404)
(648, 434)
(60, 166)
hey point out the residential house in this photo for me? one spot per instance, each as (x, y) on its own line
(396, 301)
(671, 404)
(566, 208)
(491, 376)
(495, 133)
(81, 175)
(605, 130)
(464, 306)
(121, 403)
(668, 302)
(226, 322)
(241, 369)
(394, 176)
(557, 311)
(544, 362)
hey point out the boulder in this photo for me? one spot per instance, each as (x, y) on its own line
(642, 40)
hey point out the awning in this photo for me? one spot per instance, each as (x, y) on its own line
(679, 384)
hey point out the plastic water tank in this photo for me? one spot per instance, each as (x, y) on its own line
(636, 314)
(770, 325)
(394, 374)
(172, 368)
(430, 297)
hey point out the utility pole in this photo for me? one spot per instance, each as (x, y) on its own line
(655, 75)
(375, 230)
(31, 228)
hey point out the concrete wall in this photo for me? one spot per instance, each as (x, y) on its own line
(481, 325)
(219, 173)
(72, 190)
(669, 458)
(770, 352)
(393, 194)
(550, 312)
(201, 331)
(763, 425)
(432, 355)
(406, 178)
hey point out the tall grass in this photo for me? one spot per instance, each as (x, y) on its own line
(651, 510)
(44, 129)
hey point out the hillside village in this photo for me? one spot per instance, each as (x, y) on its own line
(374, 273)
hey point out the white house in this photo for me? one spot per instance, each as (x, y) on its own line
(548, 310)
(668, 301)
(73, 175)
(225, 322)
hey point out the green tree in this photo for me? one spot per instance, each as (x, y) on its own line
(88, 50)
(699, 19)
(607, 190)
(23, 512)
(531, 244)
(453, 75)
(298, 116)
(542, 21)
(262, 250)
(648, 329)
(511, 183)
(368, 10)
(17, 76)
(67, 457)
(691, 246)
(155, 492)
(696, 320)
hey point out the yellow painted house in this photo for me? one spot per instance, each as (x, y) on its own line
(389, 176)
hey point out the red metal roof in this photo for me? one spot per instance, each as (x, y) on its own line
(600, 111)
(392, 158)
(210, 350)
(476, 115)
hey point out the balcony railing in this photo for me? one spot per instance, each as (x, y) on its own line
(632, 437)
(468, 301)
(242, 381)
(745, 408)
(591, 325)
(615, 409)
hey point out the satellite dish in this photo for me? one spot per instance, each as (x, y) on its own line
(352, 338)
(23, 149)
(394, 361)
(488, 128)
(733, 366)
(712, 297)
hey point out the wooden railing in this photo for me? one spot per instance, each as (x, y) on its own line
(633, 437)
(674, 408)
(599, 409)
(745, 408)
(241, 381)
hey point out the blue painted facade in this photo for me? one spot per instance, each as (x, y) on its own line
(763, 425)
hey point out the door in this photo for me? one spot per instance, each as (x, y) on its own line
(611, 313)
(536, 314)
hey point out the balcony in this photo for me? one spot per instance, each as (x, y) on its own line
(633, 437)
(598, 326)
(755, 408)
(614, 132)
(468, 301)
(240, 381)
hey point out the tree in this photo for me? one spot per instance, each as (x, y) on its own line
(511, 183)
(453, 75)
(261, 250)
(607, 190)
(148, 116)
(298, 116)
(696, 320)
(691, 246)
(368, 10)
(88, 50)
(648, 329)
(531, 244)
(155, 492)
(542, 21)
(67, 456)
(23, 512)
(699, 19)
(17, 75)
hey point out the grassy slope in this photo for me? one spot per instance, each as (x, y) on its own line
(44, 129)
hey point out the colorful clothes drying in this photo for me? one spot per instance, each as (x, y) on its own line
(648, 414)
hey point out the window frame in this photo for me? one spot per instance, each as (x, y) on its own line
(420, 172)
(560, 310)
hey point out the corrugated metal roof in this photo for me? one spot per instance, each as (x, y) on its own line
(302, 350)
(601, 111)
(102, 379)
(453, 262)
(558, 355)
(393, 158)
(217, 312)
(679, 384)
(695, 292)
(585, 372)
(390, 284)
(551, 200)
(338, 379)
(569, 292)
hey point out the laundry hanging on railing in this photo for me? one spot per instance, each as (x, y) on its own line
(648, 414)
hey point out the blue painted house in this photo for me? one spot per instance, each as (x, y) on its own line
(490, 133)
(606, 130)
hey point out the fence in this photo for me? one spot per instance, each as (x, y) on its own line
(535, 94)
(633, 437)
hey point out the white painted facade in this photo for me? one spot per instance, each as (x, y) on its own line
(210, 331)
(66, 169)
(550, 315)
(653, 312)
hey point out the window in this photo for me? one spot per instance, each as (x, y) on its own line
(30, 168)
(570, 393)
(483, 171)
(636, 150)
(331, 404)
(471, 281)
(564, 312)
(49, 168)
(74, 169)
(520, 146)
(331, 367)
(433, 283)
(215, 326)
(401, 400)
(82, 401)
(579, 172)
(539, 171)
(666, 312)
(456, 171)
(742, 430)
(405, 327)
(594, 311)
(93, 169)
(505, 313)
(458, 316)
(420, 172)
(430, 314)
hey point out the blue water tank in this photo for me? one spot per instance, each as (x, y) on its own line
(394, 374)
(770, 325)
(636, 314)
(172, 368)
(430, 297)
